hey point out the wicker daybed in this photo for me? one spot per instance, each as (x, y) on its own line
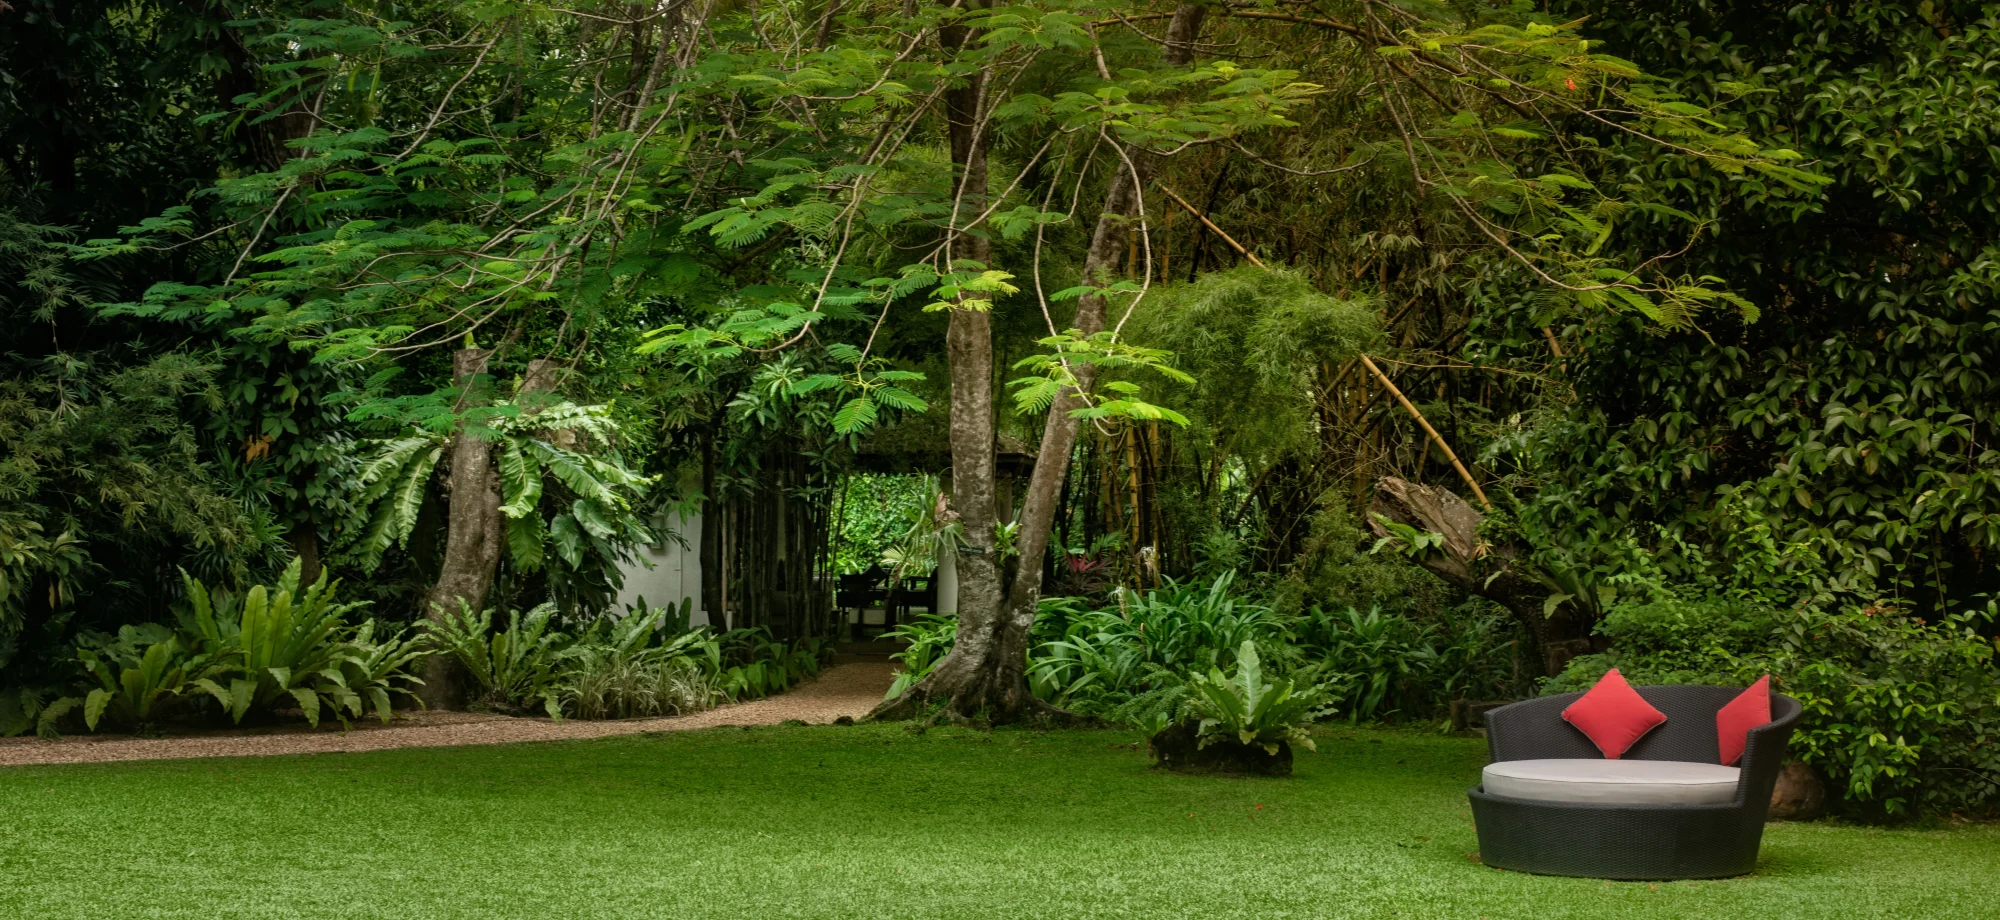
(1619, 840)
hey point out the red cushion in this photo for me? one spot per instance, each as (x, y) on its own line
(1613, 715)
(1734, 721)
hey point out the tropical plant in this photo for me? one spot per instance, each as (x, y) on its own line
(930, 531)
(634, 667)
(1106, 657)
(282, 644)
(275, 646)
(38, 708)
(930, 636)
(140, 675)
(557, 500)
(513, 668)
(603, 684)
(375, 670)
(749, 663)
(870, 511)
(1246, 708)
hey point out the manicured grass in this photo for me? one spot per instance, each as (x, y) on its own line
(868, 821)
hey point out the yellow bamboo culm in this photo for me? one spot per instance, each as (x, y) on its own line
(1436, 438)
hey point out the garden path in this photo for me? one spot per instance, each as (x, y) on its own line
(847, 688)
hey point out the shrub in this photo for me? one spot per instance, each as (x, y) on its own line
(280, 646)
(1249, 709)
(1124, 662)
(930, 636)
(619, 667)
(1131, 662)
(513, 668)
(1900, 714)
(749, 663)
(276, 647)
(638, 666)
(140, 675)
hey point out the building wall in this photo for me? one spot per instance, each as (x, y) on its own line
(675, 570)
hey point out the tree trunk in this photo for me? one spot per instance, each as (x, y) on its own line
(985, 675)
(472, 535)
(1494, 573)
(475, 530)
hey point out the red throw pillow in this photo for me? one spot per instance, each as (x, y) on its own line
(1734, 721)
(1613, 715)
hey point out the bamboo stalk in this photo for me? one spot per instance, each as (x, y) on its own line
(1436, 438)
(1245, 253)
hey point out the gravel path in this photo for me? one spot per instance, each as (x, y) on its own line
(841, 690)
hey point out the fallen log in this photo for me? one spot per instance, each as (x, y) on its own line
(1466, 561)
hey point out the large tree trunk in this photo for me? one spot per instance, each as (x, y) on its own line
(985, 676)
(974, 680)
(1471, 565)
(475, 530)
(472, 529)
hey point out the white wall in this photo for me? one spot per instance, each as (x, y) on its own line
(675, 573)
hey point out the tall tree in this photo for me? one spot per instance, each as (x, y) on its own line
(985, 673)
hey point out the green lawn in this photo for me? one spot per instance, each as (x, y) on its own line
(869, 821)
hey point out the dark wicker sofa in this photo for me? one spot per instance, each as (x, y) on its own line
(1631, 842)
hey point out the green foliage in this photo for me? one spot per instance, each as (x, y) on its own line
(274, 648)
(1409, 540)
(561, 498)
(635, 668)
(930, 637)
(870, 513)
(513, 668)
(1898, 711)
(748, 663)
(1333, 571)
(1131, 663)
(288, 645)
(1849, 415)
(1386, 668)
(1247, 709)
(928, 532)
(1055, 373)
(1257, 341)
(98, 456)
(618, 667)
(1674, 641)
(1105, 659)
(28, 707)
(139, 675)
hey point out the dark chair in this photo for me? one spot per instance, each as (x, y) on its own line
(911, 592)
(1632, 842)
(858, 593)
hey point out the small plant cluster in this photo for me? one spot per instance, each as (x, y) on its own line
(638, 665)
(282, 647)
(1147, 659)
(277, 647)
(1250, 710)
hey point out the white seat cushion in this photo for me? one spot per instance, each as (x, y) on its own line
(1613, 782)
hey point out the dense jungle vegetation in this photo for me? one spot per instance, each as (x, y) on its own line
(1439, 351)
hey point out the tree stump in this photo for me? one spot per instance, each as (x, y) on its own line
(1800, 794)
(1178, 748)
